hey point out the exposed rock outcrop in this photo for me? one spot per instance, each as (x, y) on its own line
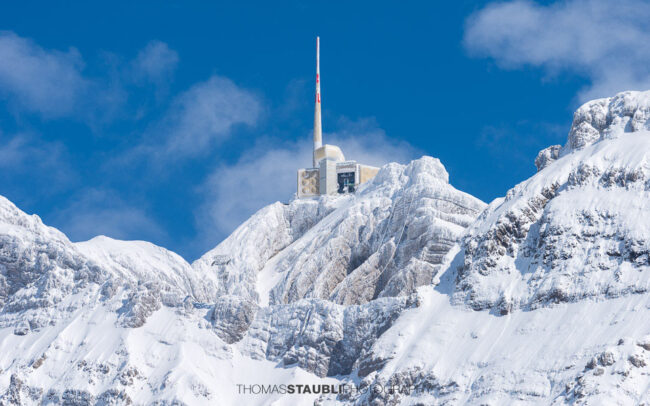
(320, 336)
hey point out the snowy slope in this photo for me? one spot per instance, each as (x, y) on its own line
(112, 322)
(590, 352)
(240, 257)
(174, 358)
(319, 266)
(39, 268)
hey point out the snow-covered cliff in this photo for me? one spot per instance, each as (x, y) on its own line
(578, 228)
(539, 298)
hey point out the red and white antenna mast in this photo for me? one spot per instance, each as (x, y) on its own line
(318, 126)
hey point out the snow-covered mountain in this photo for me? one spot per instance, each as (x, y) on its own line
(540, 297)
(384, 241)
(545, 299)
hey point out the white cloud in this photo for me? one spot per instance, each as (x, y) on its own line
(199, 119)
(605, 41)
(102, 212)
(156, 63)
(267, 173)
(38, 80)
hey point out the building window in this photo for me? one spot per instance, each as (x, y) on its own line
(346, 182)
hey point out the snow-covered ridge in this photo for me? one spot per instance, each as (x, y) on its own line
(238, 260)
(40, 267)
(138, 261)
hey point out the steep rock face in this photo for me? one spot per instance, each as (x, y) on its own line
(558, 277)
(390, 238)
(320, 336)
(314, 283)
(547, 156)
(231, 317)
(310, 259)
(577, 228)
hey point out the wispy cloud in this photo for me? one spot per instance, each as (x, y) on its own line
(38, 80)
(102, 212)
(155, 63)
(52, 82)
(267, 173)
(607, 42)
(199, 119)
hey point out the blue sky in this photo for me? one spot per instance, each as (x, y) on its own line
(151, 120)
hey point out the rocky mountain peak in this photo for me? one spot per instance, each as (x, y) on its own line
(600, 119)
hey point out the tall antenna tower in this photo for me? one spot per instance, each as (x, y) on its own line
(318, 126)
